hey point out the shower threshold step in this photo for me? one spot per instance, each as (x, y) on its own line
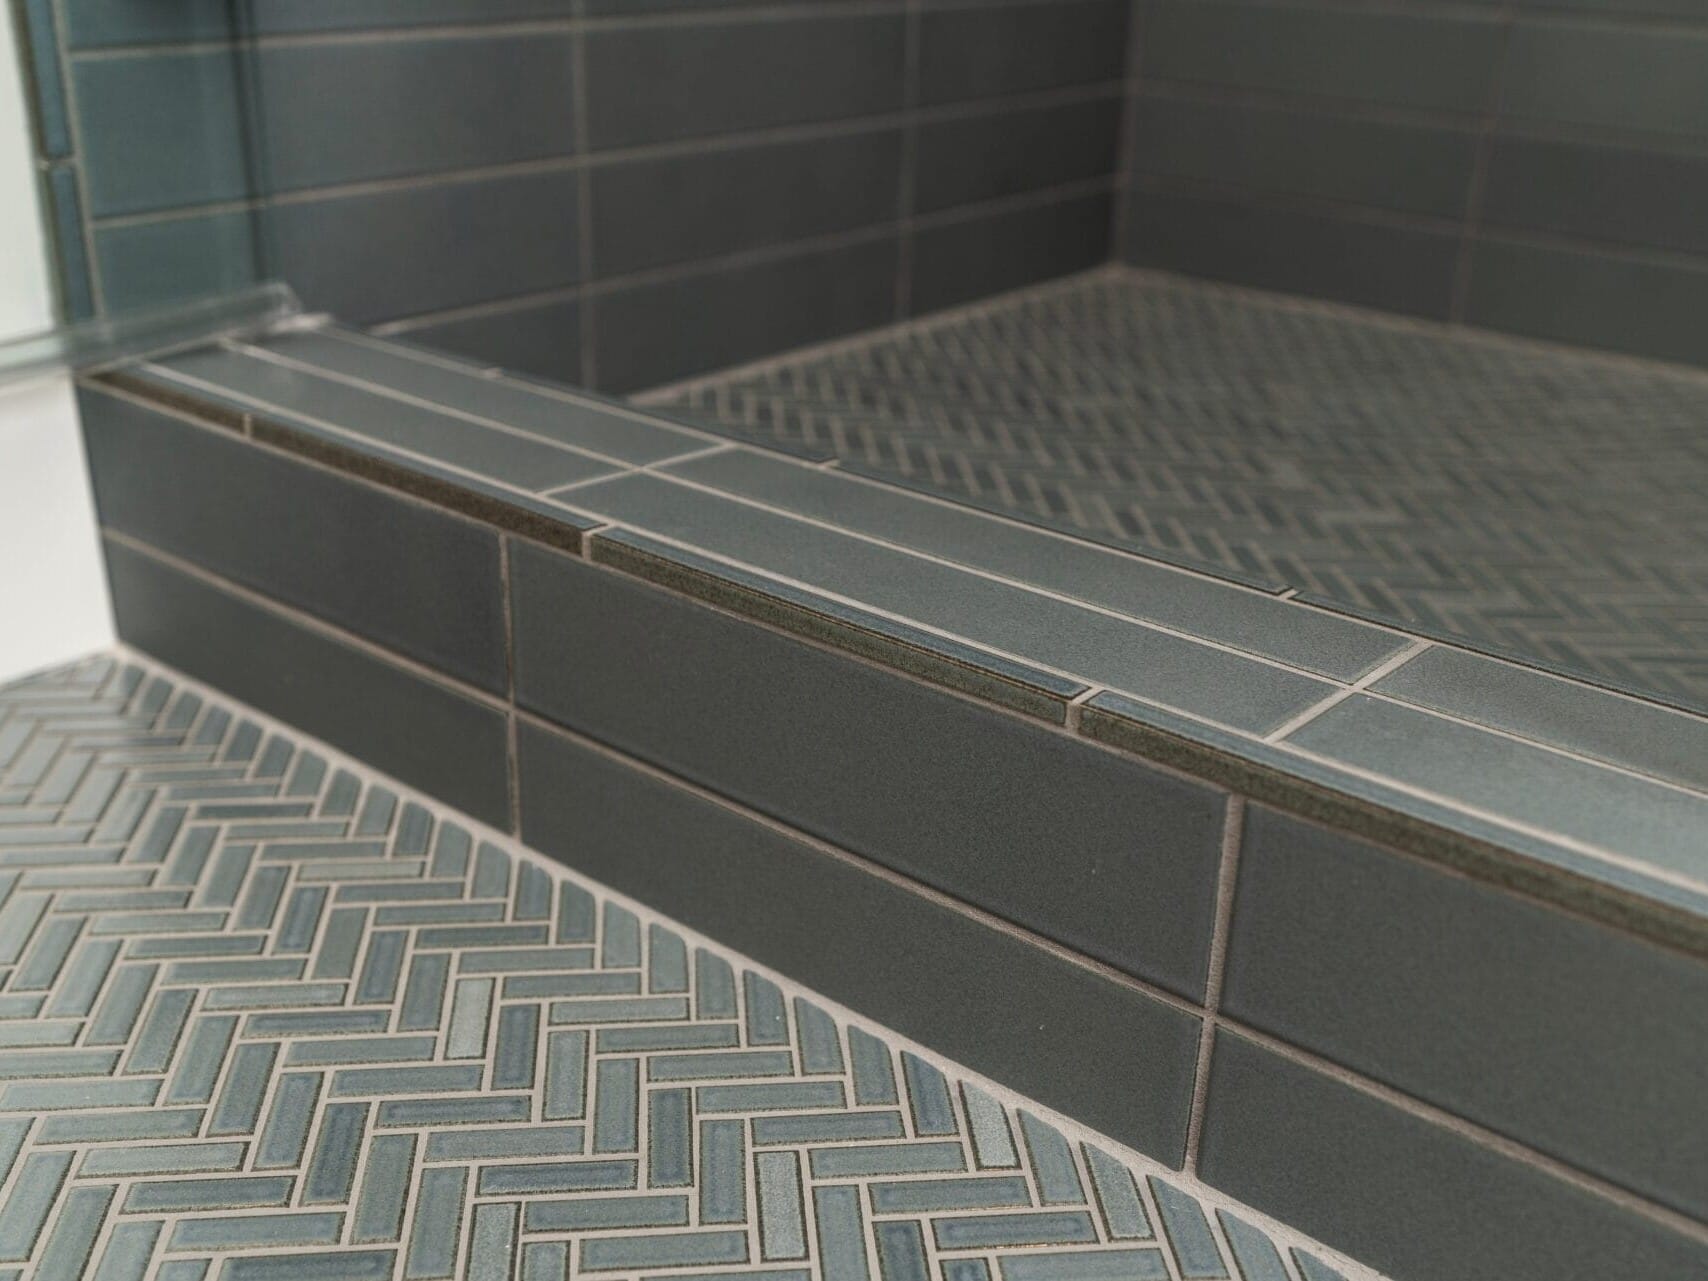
(1252, 887)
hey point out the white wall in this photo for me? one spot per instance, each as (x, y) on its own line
(53, 590)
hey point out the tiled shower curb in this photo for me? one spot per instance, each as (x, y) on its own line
(1058, 716)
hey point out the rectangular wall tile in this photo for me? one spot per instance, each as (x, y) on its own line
(1392, 57)
(1565, 1035)
(987, 51)
(1014, 818)
(427, 735)
(1322, 154)
(1591, 298)
(373, 563)
(657, 333)
(742, 198)
(1007, 152)
(152, 264)
(838, 928)
(1408, 1197)
(1375, 264)
(381, 255)
(1642, 77)
(725, 76)
(1597, 191)
(542, 339)
(956, 262)
(424, 105)
(161, 131)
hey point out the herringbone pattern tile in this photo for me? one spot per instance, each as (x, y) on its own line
(1531, 500)
(262, 1017)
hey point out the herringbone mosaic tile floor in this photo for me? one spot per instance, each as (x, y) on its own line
(1528, 499)
(265, 1018)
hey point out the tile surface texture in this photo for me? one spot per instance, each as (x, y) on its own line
(313, 1028)
(1529, 501)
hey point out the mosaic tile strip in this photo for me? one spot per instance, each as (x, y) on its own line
(265, 1016)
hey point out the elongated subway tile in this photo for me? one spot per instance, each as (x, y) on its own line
(567, 417)
(1143, 589)
(990, 826)
(1029, 626)
(525, 461)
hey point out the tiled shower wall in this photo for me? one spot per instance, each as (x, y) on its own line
(1536, 166)
(615, 193)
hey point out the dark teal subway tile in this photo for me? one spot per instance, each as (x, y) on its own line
(1333, 1162)
(742, 198)
(1026, 626)
(992, 51)
(426, 734)
(374, 255)
(1623, 194)
(664, 330)
(104, 23)
(1000, 812)
(1196, 604)
(974, 254)
(1387, 57)
(542, 339)
(38, 31)
(573, 420)
(1493, 1007)
(1590, 296)
(1643, 78)
(1373, 263)
(70, 246)
(157, 263)
(523, 460)
(1010, 151)
(1641, 736)
(920, 653)
(1311, 152)
(370, 562)
(1630, 817)
(425, 106)
(1624, 894)
(161, 130)
(732, 76)
(624, 827)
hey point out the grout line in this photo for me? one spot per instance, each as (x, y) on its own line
(1486, 132)
(74, 130)
(1226, 879)
(908, 178)
(1341, 695)
(588, 308)
(1126, 135)
(512, 774)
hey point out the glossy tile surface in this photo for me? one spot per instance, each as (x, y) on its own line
(536, 1162)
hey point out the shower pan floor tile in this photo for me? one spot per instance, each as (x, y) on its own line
(266, 1015)
(1536, 502)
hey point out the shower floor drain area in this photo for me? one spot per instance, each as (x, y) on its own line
(264, 1015)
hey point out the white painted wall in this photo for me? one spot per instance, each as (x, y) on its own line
(53, 588)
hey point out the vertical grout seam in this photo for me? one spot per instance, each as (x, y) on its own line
(908, 179)
(1471, 226)
(587, 307)
(1233, 829)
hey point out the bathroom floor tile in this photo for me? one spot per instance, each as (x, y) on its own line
(583, 1132)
